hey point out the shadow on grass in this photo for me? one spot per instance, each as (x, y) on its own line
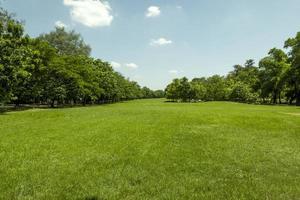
(6, 109)
(93, 198)
(12, 108)
(170, 101)
(261, 104)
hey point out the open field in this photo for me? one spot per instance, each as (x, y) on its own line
(149, 149)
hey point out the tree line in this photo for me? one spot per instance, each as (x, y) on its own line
(275, 80)
(56, 68)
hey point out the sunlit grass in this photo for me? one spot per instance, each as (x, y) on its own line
(149, 149)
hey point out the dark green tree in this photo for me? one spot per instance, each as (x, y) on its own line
(273, 74)
(294, 57)
(13, 55)
(67, 42)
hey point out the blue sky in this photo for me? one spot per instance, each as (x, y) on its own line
(154, 41)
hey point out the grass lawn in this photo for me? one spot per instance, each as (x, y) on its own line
(149, 149)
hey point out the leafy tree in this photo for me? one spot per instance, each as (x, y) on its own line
(198, 89)
(148, 93)
(241, 92)
(273, 74)
(249, 63)
(172, 90)
(294, 57)
(247, 74)
(159, 94)
(13, 47)
(216, 88)
(184, 89)
(67, 42)
(56, 68)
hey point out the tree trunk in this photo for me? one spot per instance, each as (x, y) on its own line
(17, 104)
(52, 103)
(298, 98)
(297, 94)
(274, 97)
(279, 97)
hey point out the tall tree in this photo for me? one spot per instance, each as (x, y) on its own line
(216, 88)
(13, 51)
(198, 89)
(185, 89)
(247, 74)
(273, 74)
(294, 57)
(172, 90)
(67, 42)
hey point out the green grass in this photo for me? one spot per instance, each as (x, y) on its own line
(149, 149)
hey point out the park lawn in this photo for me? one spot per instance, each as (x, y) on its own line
(150, 149)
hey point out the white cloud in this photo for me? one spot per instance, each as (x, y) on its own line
(132, 65)
(160, 42)
(91, 13)
(115, 65)
(153, 11)
(174, 71)
(179, 7)
(60, 24)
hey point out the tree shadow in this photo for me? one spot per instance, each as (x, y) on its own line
(7, 109)
(92, 198)
(12, 108)
(258, 104)
(169, 101)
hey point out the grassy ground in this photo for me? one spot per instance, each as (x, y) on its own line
(149, 149)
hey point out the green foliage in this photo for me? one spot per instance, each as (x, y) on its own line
(242, 92)
(276, 80)
(172, 90)
(66, 43)
(55, 68)
(211, 89)
(247, 74)
(148, 93)
(294, 74)
(184, 89)
(273, 74)
(215, 87)
(198, 90)
(13, 47)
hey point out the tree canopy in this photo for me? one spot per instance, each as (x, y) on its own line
(56, 68)
(66, 42)
(276, 79)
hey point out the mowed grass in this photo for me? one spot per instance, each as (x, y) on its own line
(149, 149)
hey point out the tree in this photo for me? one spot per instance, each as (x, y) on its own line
(216, 88)
(249, 63)
(56, 68)
(147, 93)
(241, 92)
(273, 74)
(67, 42)
(184, 89)
(159, 94)
(198, 89)
(247, 74)
(13, 47)
(294, 57)
(172, 90)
